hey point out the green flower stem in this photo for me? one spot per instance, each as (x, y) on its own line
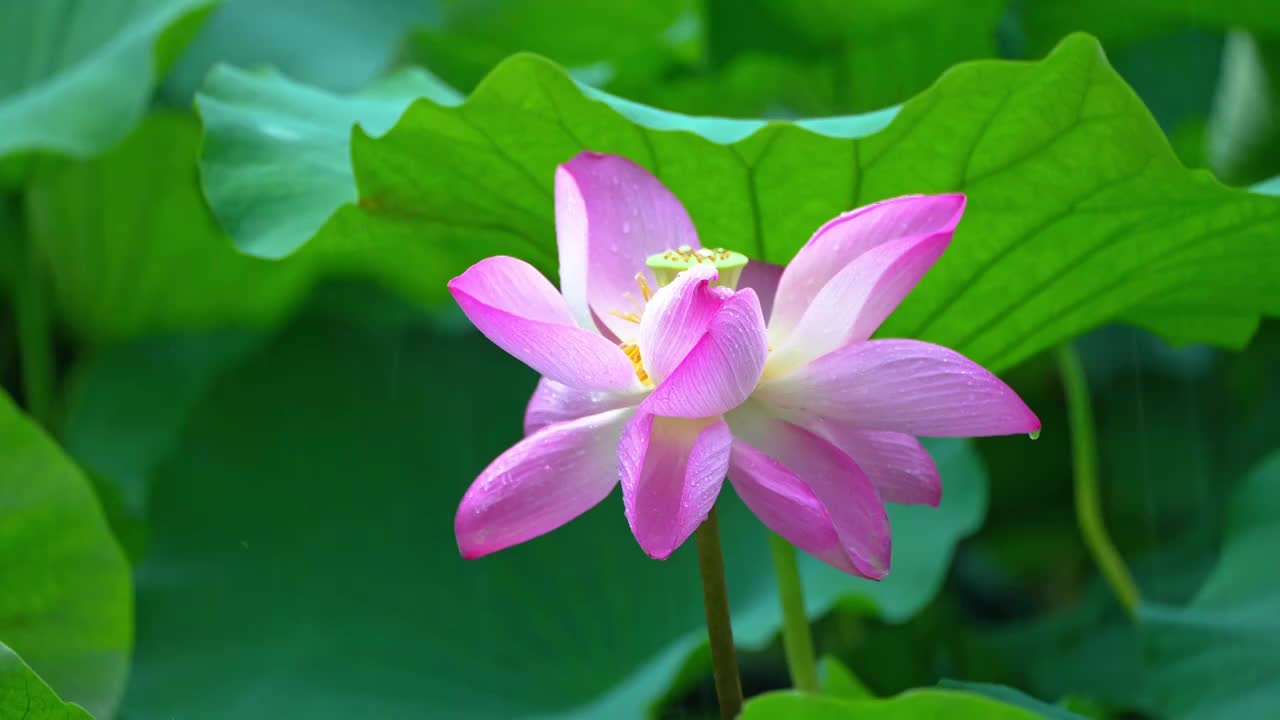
(35, 338)
(796, 638)
(1084, 451)
(715, 597)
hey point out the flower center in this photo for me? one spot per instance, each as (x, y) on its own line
(666, 265)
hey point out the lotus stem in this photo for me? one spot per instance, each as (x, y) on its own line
(797, 641)
(1084, 451)
(715, 596)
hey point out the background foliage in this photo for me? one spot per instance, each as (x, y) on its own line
(243, 409)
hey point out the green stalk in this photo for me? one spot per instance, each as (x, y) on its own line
(715, 597)
(797, 641)
(1084, 451)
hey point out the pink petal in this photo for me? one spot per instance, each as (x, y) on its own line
(541, 483)
(904, 386)
(521, 312)
(722, 368)
(612, 214)
(554, 402)
(843, 239)
(786, 505)
(856, 300)
(850, 498)
(762, 277)
(676, 318)
(898, 465)
(671, 470)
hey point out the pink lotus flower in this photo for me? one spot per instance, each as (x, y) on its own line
(670, 391)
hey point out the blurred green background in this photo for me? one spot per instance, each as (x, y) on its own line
(243, 408)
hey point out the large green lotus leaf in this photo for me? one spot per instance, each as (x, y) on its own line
(335, 44)
(276, 160)
(75, 75)
(930, 703)
(277, 156)
(1015, 697)
(839, 681)
(24, 695)
(66, 604)
(1059, 237)
(1216, 657)
(314, 486)
(132, 248)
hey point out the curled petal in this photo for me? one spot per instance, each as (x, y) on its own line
(672, 470)
(843, 239)
(521, 312)
(541, 483)
(898, 465)
(904, 386)
(786, 505)
(676, 319)
(856, 300)
(856, 509)
(554, 402)
(612, 214)
(721, 369)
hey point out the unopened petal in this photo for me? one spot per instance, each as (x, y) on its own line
(856, 300)
(721, 369)
(856, 509)
(843, 239)
(521, 312)
(541, 483)
(672, 470)
(904, 386)
(554, 402)
(612, 214)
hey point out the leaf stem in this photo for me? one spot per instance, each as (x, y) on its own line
(35, 338)
(1084, 451)
(715, 597)
(797, 641)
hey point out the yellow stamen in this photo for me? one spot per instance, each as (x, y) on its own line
(628, 316)
(645, 291)
(633, 352)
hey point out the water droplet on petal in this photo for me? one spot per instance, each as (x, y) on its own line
(1034, 435)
